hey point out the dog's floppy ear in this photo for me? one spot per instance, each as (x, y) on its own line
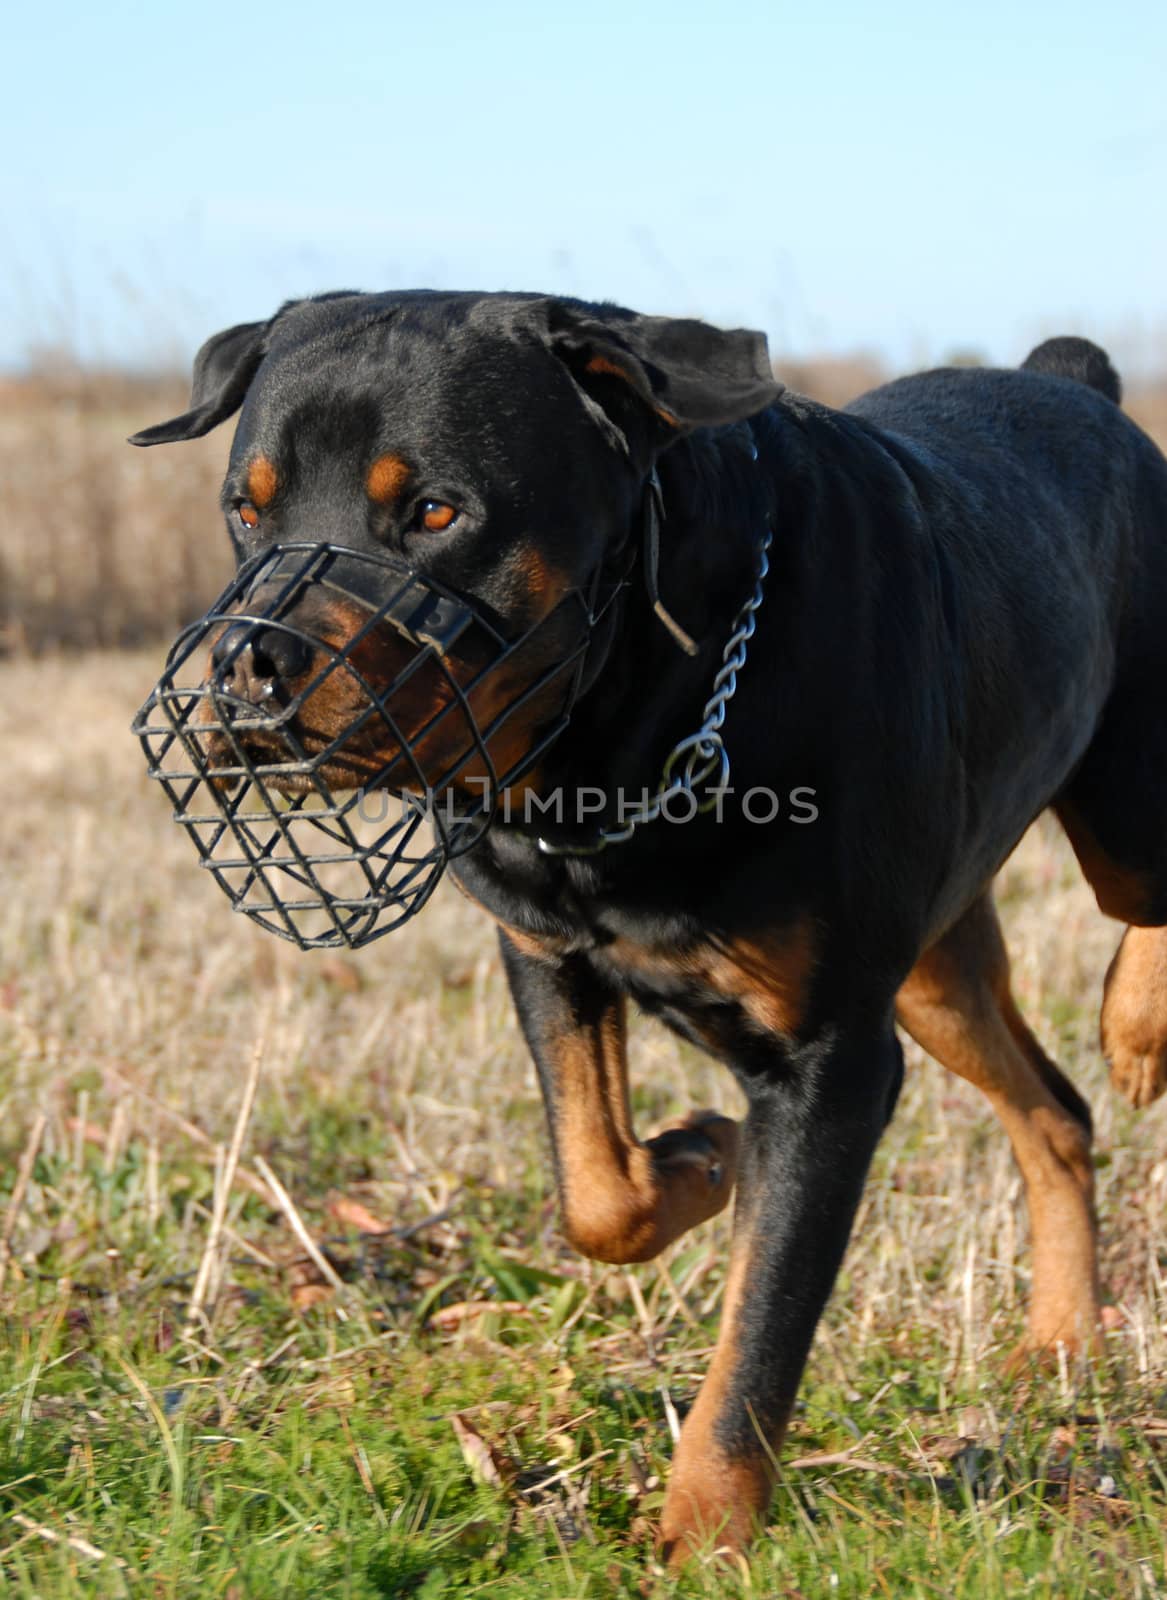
(223, 369)
(676, 373)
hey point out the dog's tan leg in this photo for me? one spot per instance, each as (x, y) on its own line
(718, 1492)
(957, 1004)
(1134, 1015)
(808, 1137)
(1134, 1005)
(622, 1199)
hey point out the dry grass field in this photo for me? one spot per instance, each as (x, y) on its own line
(445, 1399)
(102, 545)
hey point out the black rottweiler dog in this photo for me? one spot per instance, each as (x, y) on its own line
(964, 622)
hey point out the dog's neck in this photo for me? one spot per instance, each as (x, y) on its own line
(648, 692)
(717, 502)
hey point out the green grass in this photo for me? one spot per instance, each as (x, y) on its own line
(306, 1452)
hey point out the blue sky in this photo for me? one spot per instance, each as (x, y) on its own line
(909, 178)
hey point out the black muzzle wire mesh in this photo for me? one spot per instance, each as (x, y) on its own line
(316, 864)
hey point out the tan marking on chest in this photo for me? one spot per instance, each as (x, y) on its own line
(1121, 892)
(769, 976)
(539, 948)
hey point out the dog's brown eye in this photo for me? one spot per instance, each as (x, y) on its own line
(436, 515)
(247, 514)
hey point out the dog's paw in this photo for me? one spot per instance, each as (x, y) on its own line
(1061, 1328)
(1038, 1353)
(707, 1142)
(1139, 1075)
(1134, 1016)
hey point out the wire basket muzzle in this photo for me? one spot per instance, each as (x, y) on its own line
(335, 730)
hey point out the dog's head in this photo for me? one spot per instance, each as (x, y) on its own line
(497, 445)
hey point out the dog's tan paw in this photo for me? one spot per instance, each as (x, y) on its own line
(1134, 1016)
(705, 1142)
(1141, 1076)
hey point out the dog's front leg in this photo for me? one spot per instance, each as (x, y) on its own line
(621, 1199)
(806, 1144)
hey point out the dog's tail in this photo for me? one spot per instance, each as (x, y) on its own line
(1077, 359)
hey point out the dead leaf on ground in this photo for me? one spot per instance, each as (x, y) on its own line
(448, 1318)
(1062, 1440)
(306, 1295)
(487, 1464)
(352, 1214)
(1150, 1424)
(640, 1479)
(973, 1423)
(90, 1132)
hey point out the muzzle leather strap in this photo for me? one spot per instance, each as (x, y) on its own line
(654, 513)
(433, 619)
(423, 614)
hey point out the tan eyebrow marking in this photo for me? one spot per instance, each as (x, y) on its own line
(262, 481)
(386, 478)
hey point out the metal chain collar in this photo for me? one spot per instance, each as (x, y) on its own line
(700, 759)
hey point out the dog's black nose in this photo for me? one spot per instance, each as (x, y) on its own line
(264, 658)
(277, 654)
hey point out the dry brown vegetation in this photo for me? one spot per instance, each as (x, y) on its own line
(102, 545)
(122, 970)
(396, 1093)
